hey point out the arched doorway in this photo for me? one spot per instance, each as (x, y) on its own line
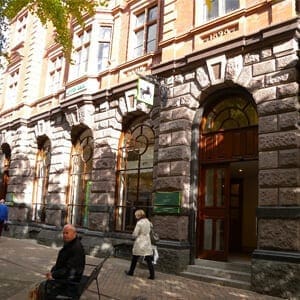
(228, 177)
(4, 169)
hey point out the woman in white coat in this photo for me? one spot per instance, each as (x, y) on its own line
(142, 244)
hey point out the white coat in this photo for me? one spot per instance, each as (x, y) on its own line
(142, 244)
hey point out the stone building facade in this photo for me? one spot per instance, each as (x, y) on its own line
(214, 160)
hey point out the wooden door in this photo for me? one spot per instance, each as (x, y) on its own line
(213, 217)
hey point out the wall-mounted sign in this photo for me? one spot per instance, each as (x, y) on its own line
(167, 202)
(75, 89)
(145, 92)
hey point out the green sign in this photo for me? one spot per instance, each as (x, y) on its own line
(167, 202)
(168, 198)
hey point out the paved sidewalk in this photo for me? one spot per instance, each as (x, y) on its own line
(24, 262)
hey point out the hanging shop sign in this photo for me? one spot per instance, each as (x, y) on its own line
(145, 92)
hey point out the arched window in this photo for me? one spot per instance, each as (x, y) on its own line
(230, 113)
(135, 173)
(232, 119)
(80, 179)
(4, 171)
(41, 180)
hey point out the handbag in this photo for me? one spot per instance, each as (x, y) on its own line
(154, 236)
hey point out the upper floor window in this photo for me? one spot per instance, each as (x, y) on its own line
(12, 88)
(81, 52)
(145, 32)
(216, 8)
(55, 74)
(21, 28)
(104, 47)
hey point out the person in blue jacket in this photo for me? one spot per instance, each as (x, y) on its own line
(3, 215)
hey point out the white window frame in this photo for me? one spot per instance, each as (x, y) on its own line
(143, 28)
(13, 86)
(102, 62)
(202, 14)
(80, 56)
(55, 74)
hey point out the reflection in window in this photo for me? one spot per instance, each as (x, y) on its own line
(41, 182)
(219, 235)
(134, 175)
(232, 112)
(80, 179)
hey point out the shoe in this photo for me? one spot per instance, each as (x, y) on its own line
(150, 277)
(127, 273)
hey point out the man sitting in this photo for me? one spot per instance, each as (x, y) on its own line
(65, 275)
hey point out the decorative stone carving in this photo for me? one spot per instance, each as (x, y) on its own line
(43, 128)
(202, 77)
(216, 69)
(234, 67)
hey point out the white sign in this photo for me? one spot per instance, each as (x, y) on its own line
(145, 91)
(75, 89)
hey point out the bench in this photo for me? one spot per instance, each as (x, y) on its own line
(87, 280)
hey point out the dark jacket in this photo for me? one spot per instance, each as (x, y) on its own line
(70, 262)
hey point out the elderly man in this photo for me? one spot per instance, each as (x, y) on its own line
(65, 275)
(3, 215)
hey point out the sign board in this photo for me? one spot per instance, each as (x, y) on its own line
(167, 202)
(145, 92)
(75, 89)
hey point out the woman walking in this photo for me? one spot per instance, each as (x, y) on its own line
(142, 244)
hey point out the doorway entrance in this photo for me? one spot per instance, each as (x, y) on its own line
(228, 180)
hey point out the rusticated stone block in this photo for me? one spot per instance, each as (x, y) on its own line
(99, 221)
(278, 140)
(288, 89)
(264, 67)
(163, 169)
(268, 160)
(172, 260)
(288, 120)
(277, 106)
(289, 158)
(268, 197)
(171, 227)
(172, 183)
(174, 153)
(276, 278)
(183, 113)
(279, 234)
(279, 177)
(289, 196)
(265, 94)
(174, 126)
(180, 168)
(268, 124)
(287, 61)
(181, 138)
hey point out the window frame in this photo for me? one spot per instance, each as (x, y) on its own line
(144, 29)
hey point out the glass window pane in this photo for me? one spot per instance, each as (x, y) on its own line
(152, 15)
(151, 36)
(219, 235)
(105, 33)
(231, 5)
(140, 20)
(220, 187)
(209, 188)
(213, 10)
(103, 56)
(208, 234)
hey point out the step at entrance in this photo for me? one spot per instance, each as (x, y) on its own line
(234, 274)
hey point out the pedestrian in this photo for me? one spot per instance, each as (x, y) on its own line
(142, 244)
(3, 215)
(65, 275)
